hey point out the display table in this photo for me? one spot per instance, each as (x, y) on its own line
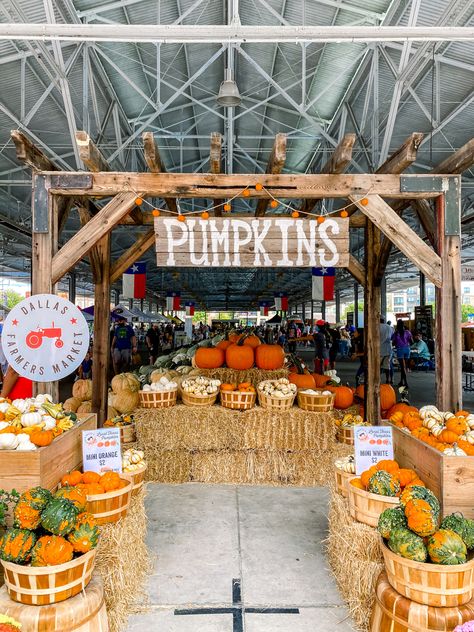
(217, 445)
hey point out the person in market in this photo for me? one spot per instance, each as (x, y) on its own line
(15, 386)
(358, 353)
(344, 342)
(333, 337)
(419, 349)
(321, 350)
(152, 340)
(385, 349)
(402, 339)
(124, 343)
(292, 336)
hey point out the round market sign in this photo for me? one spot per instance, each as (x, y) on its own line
(45, 337)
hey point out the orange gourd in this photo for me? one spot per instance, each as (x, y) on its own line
(359, 392)
(92, 489)
(269, 357)
(387, 465)
(41, 438)
(344, 397)
(461, 413)
(90, 477)
(412, 420)
(406, 476)
(227, 386)
(356, 482)
(110, 481)
(365, 476)
(448, 436)
(302, 380)
(239, 356)
(321, 380)
(71, 479)
(396, 417)
(209, 358)
(457, 425)
(388, 397)
(467, 447)
(401, 408)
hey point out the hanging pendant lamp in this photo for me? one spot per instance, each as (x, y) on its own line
(229, 95)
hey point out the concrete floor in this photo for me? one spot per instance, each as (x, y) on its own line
(206, 536)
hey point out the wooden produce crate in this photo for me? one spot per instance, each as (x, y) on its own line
(45, 466)
(450, 478)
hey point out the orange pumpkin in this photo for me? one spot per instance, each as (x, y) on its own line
(406, 476)
(466, 447)
(90, 477)
(401, 408)
(252, 341)
(41, 437)
(321, 380)
(461, 413)
(416, 482)
(234, 338)
(388, 397)
(365, 476)
(269, 357)
(388, 465)
(359, 392)
(356, 482)
(209, 358)
(302, 380)
(239, 356)
(396, 417)
(227, 386)
(344, 397)
(457, 425)
(92, 489)
(110, 481)
(223, 344)
(412, 420)
(448, 436)
(72, 479)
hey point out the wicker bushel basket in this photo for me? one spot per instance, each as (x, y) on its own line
(198, 400)
(276, 403)
(128, 434)
(238, 400)
(345, 435)
(158, 399)
(342, 480)
(439, 585)
(44, 585)
(111, 506)
(137, 477)
(366, 507)
(316, 403)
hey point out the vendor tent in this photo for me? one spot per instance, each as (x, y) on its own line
(274, 320)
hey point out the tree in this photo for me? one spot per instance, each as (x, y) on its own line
(350, 308)
(12, 298)
(466, 310)
(200, 317)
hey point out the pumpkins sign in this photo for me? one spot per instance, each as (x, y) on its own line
(45, 337)
(101, 450)
(276, 242)
(371, 445)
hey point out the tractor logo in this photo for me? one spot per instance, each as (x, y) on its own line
(34, 339)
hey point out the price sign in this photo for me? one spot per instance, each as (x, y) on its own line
(101, 451)
(371, 445)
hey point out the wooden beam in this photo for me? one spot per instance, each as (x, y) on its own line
(357, 221)
(84, 217)
(407, 241)
(372, 307)
(84, 240)
(457, 162)
(337, 163)
(403, 157)
(28, 153)
(90, 155)
(426, 216)
(275, 165)
(357, 270)
(448, 346)
(101, 347)
(155, 164)
(139, 247)
(215, 161)
(194, 185)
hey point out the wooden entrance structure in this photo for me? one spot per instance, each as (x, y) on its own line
(438, 256)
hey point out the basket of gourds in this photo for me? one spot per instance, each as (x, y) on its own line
(238, 396)
(345, 428)
(134, 467)
(316, 400)
(162, 393)
(425, 561)
(108, 495)
(199, 391)
(126, 424)
(276, 394)
(344, 470)
(49, 555)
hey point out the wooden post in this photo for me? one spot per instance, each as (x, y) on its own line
(422, 289)
(356, 305)
(338, 306)
(448, 301)
(44, 246)
(372, 295)
(101, 330)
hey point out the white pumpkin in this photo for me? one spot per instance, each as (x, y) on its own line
(454, 451)
(8, 441)
(31, 419)
(42, 398)
(470, 436)
(469, 421)
(22, 437)
(3, 424)
(437, 430)
(21, 404)
(49, 422)
(26, 446)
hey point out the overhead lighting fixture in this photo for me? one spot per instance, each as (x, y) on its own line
(229, 95)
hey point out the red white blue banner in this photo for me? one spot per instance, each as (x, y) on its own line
(281, 302)
(323, 284)
(263, 308)
(189, 309)
(173, 301)
(134, 281)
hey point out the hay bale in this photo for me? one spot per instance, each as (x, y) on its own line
(355, 558)
(168, 466)
(123, 562)
(250, 375)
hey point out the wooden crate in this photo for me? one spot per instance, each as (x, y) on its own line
(450, 478)
(45, 466)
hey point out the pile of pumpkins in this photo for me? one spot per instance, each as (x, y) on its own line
(240, 352)
(450, 433)
(123, 398)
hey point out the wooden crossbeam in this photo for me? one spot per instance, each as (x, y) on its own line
(84, 217)
(155, 164)
(90, 155)
(84, 240)
(275, 165)
(357, 270)
(407, 241)
(404, 156)
(457, 162)
(136, 250)
(215, 161)
(337, 163)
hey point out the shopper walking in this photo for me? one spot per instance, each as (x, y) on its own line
(152, 340)
(385, 349)
(124, 343)
(402, 339)
(321, 351)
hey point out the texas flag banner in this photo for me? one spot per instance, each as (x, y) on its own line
(189, 309)
(263, 308)
(323, 284)
(281, 302)
(173, 301)
(134, 281)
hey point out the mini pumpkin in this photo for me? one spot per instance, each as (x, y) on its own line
(59, 516)
(75, 495)
(384, 484)
(41, 438)
(51, 550)
(420, 517)
(85, 534)
(90, 477)
(16, 545)
(446, 547)
(110, 481)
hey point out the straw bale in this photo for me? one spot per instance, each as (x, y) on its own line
(250, 375)
(123, 562)
(355, 558)
(168, 466)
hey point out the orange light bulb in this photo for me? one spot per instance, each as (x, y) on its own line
(344, 213)
(320, 219)
(258, 186)
(246, 193)
(205, 215)
(227, 207)
(295, 214)
(155, 212)
(181, 218)
(138, 201)
(274, 203)
(364, 201)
